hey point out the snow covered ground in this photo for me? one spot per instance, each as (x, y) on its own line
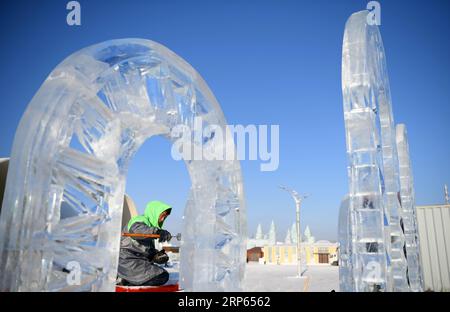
(272, 277)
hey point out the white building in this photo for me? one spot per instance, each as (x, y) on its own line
(434, 239)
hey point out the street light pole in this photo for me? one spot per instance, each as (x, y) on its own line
(298, 200)
(299, 236)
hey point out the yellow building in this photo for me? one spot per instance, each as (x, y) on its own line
(324, 252)
(321, 252)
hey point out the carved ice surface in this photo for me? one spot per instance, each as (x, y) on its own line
(360, 82)
(390, 169)
(409, 210)
(346, 282)
(73, 146)
(378, 242)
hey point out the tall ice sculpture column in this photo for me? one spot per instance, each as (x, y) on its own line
(408, 210)
(382, 94)
(369, 235)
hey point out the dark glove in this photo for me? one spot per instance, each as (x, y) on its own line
(161, 257)
(164, 236)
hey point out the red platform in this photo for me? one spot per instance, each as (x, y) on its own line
(163, 288)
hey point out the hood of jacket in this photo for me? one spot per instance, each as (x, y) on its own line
(151, 215)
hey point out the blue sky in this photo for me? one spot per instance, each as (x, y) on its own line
(267, 62)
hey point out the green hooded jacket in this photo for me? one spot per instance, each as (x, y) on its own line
(151, 214)
(136, 255)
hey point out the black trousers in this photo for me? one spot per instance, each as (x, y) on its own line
(157, 280)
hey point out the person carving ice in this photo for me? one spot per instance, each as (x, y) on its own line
(139, 259)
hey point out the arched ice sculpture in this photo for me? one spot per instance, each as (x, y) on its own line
(108, 99)
(378, 258)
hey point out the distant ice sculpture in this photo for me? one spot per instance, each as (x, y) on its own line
(287, 239)
(409, 210)
(309, 238)
(73, 146)
(272, 234)
(259, 233)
